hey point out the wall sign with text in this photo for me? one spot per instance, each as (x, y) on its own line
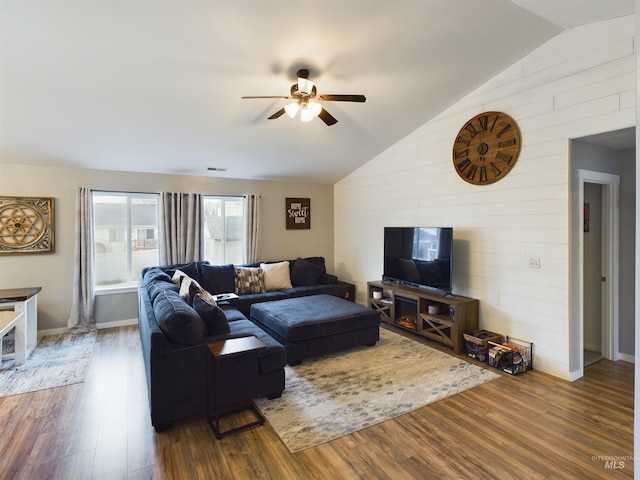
(298, 213)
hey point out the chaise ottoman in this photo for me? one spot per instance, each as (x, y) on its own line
(317, 324)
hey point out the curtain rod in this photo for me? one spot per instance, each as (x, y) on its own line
(158, 193)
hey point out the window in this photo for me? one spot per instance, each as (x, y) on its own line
(426, 243)
(223, 229)
(125, 231)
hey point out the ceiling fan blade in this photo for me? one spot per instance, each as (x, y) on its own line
(327, 118)
(343, 98)
(268, 96)
(278, 114)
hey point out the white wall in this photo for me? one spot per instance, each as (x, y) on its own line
(54, 272)
(579, 83)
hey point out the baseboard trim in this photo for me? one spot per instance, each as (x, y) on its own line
(625, 357)
(99, 326)
(117, 323)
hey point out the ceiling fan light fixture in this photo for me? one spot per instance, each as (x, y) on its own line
(306, 115)
(314, 108)
(305, 86)
(291, 109)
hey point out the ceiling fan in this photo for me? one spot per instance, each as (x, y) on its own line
(305, 97)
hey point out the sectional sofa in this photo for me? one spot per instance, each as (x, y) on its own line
(175, 329)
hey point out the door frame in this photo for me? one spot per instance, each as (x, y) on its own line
(610, 260)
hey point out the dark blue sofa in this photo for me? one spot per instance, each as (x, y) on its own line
(176, 368)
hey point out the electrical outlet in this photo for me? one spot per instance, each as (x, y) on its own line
(534, 262)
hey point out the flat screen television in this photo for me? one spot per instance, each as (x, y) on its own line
(419, 256)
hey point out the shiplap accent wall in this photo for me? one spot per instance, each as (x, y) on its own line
(579, 83)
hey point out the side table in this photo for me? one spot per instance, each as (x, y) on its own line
(24, 300)
(232, 372)
(350, 290)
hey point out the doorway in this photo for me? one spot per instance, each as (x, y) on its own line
(604, 188)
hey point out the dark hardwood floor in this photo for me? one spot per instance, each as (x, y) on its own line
(531, 426)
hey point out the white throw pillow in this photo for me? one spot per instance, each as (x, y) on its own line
(276, 275)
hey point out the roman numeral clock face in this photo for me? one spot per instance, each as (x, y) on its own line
(486, 148)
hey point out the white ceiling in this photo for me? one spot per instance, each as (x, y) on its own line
(155, 86)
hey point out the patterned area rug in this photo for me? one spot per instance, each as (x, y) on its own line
(333, 395)
(57, 360)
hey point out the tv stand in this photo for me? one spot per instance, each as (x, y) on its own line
(425, 313)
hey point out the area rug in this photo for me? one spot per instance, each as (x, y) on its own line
(58, 360)
(333, 395)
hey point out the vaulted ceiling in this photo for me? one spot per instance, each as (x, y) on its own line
(155, 86)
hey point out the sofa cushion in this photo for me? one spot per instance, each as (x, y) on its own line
(156, 281)
(276, 275)
(155, 274)
(319, 261)
(335, 290)
(306, 273)
(231, 312)
(218, 278)
(213, 316)
(244, 302)
(179, 322)
(249, 280)
(274, 357)
(191, 269)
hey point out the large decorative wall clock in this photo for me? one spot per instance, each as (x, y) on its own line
(486, 148)
(26, 225)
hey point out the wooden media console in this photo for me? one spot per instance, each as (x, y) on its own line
(439, 317)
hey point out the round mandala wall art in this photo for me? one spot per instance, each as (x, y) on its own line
(26, 225)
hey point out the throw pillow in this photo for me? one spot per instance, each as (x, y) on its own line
(218, 278)
(156, 274)
(154, 288)
(179, 322)
(212, 315)
(185, 287)
(305, 273)
(191, 269)
(249, 280)
(177, 277)
(276, 275)
(195, 289)
(317, 261)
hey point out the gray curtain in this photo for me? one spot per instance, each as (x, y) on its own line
(252, 228)
(180, 228)
(81, 317)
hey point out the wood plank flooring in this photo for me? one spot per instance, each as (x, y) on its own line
(532, 426)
